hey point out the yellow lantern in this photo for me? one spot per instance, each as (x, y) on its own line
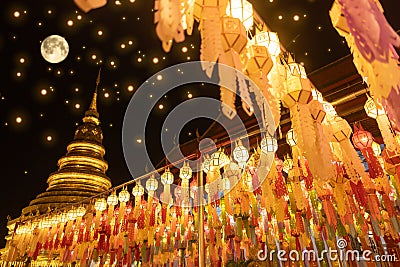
(316, 107)
(72, 214)
(234, 34)
(124, 196)
(81, 211)
(167, 177)
(287, 164)
(185, 172)
(291, 138)
(270, 40)
(200, 5)
(205, 166)
(373, 109)
(259, 59)
(338, 19)
(87, 5)
(341, 129)
(219, 159)
(376, 148)
(243, 10)
(100, 204)
(112, 199)
(138, 190)
(298, 85)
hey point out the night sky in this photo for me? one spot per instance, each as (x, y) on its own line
(41, 103)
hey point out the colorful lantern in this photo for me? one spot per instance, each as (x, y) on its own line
(270, 40)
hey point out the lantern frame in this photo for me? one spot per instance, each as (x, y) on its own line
(151, 183)
(291, 137)
(167, 177)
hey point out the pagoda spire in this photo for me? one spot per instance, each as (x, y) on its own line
(92, 115)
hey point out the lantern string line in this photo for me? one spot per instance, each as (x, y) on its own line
(144, 176)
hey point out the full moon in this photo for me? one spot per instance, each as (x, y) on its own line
(54, 49)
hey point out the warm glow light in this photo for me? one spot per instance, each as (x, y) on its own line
(139, 141)
(139, 59)
(241, 9)
(155, 60)
(296, 17)
(77, 106)
(18, 120)
(190, 95)
(130, 88)
(49, 138)
(79, 17)
(70, 23)
(43, 92)
(106, 95)
(123, 46)
(161, 106)
(184, 49)
(280, 17)
(94, 56)
(159, 77)
(270, 40)
(22, 60)
(100, 33)
(17, 14)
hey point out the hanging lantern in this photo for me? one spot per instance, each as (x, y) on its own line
(81, 211)
(185, 172)
(316, 95)
(243, 10)
(291, 138)
(112, 199)
(151, 184)
(219, 159)
(205, 166)
(270, 40)
(269, 144)
(341, 129)
(298, 85)
(87, 5)
(259, 59)
(338, 19)
(376, 148)
(372, 109)
(362, 139)
(234, 34)
(329, 110)
(226, 184)
(167, 177)
(100, 204)
(200, 5)
(137, 192)
(124, 196)
(287, 164)
(72, 214)
(240, 153)
(63, 217)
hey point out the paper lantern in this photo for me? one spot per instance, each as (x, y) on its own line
(100, 204)
(270, 40)
(376, 148)
(316, 107)
(338, 19)
(341, 129)
(124, 195)
(240, 153)
(362, 139)
(152, 184)
(259, 59)
(87, 5)
(219, 159)
(138, 190)
(372, 109)
(185, 172)
(287, 164)
(72, 214)
(243, 10)
(81, 211)
(167, 177)
(298, 85)
(199, 5)
(291, 138)
(112, 199)
(234, 34)
(269, 144)
(329, 109)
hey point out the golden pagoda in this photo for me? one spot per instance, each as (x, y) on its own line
(81, 172)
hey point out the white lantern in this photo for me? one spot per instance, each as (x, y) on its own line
(100, 204)
(243, 10)
(226, 184)
(167, 177)
(138, 190)
(185, 172)
(152, 184)
(270, 40)
(269, 144)
(291, 138)
(112, 199)
(240, 153)
(205, 166)
(124, 195)
(316, 95)
(372, 109)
